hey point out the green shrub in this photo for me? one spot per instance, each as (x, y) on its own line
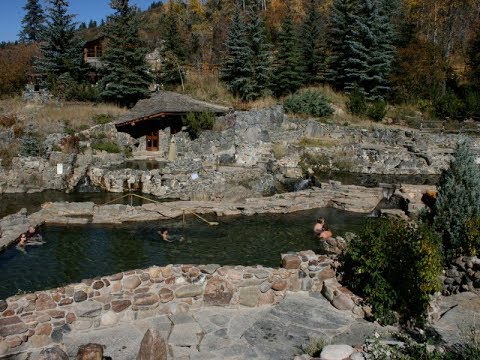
(102, 119)
(357, 103)
(107, 146)
(472, 241)
(472, 103)
(30, 143)
(457, 205)
(448, 106)
(377, 110)
(315, 346)
(394, 265)
(411, 350)
(82, 92)
(308, 102)
(197, 122)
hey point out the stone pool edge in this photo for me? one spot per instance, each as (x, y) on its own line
(40, 319)
(345, 197)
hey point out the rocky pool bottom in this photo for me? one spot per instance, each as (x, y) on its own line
(74, 253)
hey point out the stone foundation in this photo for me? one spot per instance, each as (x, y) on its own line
(40, 319)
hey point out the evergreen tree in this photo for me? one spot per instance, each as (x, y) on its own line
(33, 22)
(92, 24)
(381, 51)
(102, 22)
(82, 26)
(311, 43)
(246, 69)
(473, 57)
(172, 51)
(288, 66)
(236, 65)
(361, 50)
(458, 201)
(260, 55)
(61, 59)
(126, 77)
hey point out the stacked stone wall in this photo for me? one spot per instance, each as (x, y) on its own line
(462, 275)
(40, 319)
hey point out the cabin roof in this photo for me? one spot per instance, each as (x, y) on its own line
(168, 103)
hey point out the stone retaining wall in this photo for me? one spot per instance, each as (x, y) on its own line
(462, 275)
(41, 319)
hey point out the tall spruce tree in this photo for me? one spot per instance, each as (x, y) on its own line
(311, 43)
(458, 200)
(360, 44)
(126, 77)
(61, 60)
(235, 71)
(32, 23)
(288, 64)
(246, 68)
(172, 51)
(381, 51)
(260, 54)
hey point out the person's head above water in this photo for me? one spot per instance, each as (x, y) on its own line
(31, 229)
(163, 231)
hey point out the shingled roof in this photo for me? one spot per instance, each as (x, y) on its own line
(168, 103)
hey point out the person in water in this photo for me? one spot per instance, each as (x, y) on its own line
(165, 235)
(321, 229)
(33, 235)
(22, 242)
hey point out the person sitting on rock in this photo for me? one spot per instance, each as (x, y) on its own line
(321, 229)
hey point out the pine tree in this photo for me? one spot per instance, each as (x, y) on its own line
(260, 55)
(172, 51)
(311, 44)
(246, 69)
(126, 77)
(61, 59)
(32, 23)
(82, 26)
(288, 66)
(236, 65)
(458, 200)
(361, 51)
(381, 52)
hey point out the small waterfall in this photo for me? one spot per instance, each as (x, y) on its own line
(302, 185)
(84, 185)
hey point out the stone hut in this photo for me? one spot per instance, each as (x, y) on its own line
(163, 110)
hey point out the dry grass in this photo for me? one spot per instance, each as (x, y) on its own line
(51, 118)
(205, 85)
(279, 150)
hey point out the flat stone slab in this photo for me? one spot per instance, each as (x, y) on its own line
(121, 342)
(459, 314)
(293, 322)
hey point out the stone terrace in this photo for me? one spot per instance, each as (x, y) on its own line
(177, 299)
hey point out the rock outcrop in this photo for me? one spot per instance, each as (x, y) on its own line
(252, 152)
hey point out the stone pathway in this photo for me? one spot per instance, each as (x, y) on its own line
(268, 332)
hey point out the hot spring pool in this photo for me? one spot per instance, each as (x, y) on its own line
(74, 253)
